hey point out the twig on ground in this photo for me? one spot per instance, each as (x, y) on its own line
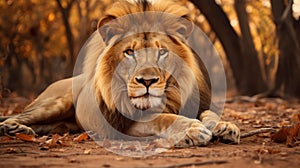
(208, 162)
(183, 156)
(257, 131)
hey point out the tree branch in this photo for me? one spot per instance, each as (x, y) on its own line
(208, 162)
(286, 12)
(257, 131)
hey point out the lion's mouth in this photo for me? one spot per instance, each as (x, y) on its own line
(141, 96)
(146, 101)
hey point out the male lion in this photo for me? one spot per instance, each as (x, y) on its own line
(141, 79)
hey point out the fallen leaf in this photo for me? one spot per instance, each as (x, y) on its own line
(42, 139)
(287, 134)
(7, 138)
(25, 137)
(53, 141)
(44, 148)
(87, 151)
(65, 140)
(81, 137)
(10, 150)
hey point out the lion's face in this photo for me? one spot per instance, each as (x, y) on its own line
(145, 72)
(148, 71)
(146, 64)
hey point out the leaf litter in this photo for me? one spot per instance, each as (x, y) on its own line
(47, 142)
(290, 135)
(257, 115)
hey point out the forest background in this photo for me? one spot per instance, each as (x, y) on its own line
(258, 41)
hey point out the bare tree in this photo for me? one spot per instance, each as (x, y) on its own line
(65, 12)
(239, 50)
(288, 32)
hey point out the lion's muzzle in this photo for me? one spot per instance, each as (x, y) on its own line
(146, 89)
(147, 82)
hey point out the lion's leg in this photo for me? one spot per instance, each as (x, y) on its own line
(54, 104)
(183, 131)
(56, 127)
(225, 130)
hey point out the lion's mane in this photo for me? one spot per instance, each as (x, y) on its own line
(99, 72)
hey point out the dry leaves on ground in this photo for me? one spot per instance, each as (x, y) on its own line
(81, 137)
(289, 135)
(47, 142)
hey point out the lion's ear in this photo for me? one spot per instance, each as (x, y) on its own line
(185, 27)
(188, 27)
(105, 28)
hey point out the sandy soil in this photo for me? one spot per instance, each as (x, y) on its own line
(254, 151)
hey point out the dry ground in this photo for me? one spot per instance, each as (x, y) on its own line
(248, 114)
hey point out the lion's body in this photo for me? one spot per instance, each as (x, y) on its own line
(132, 83)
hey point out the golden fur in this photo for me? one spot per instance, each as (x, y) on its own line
(135, 71)
(110, 61)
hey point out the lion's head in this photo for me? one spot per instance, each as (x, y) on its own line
(146, 65)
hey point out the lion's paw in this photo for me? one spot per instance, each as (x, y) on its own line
(11, 127)
(196, 135)
(227, 132)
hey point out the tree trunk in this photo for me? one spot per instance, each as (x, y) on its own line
(65, 12)
(251, 63)
(287, 76)
(242, 69)
(13, 63)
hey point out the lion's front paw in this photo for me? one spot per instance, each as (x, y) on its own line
(227, 132)
(196, 135)
(12, 127)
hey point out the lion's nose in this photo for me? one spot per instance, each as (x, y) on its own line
(146, 82)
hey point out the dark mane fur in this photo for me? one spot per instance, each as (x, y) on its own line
(145, 4)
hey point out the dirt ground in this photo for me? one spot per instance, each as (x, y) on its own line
(248, 114)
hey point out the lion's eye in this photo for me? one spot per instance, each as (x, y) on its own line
(163, 52)
(129, 53)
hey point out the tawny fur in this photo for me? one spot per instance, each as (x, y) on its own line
(106, 96)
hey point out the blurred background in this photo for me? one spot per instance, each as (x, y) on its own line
(258, 41)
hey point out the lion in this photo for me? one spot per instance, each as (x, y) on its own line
(139, 79)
